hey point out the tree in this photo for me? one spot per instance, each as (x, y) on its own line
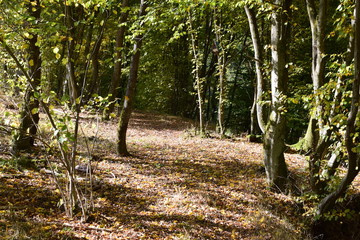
(321, 131)
(317, 138)
(221, 65)
(29, 116)
(225, 43)
(198, 65)
(274, 146)
(131, 88)
(116, 77)
(72, 36)
(274, 127)
(258, 54)
(352, 125)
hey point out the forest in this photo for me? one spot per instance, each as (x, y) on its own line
(179, 119)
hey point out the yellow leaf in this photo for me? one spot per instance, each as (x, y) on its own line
(31, 62)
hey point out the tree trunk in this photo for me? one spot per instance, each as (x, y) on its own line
(254, 126)
(130, 91)
(198, 79)
(258, 52)
(29, 116)
(317, 24)
(70, 65)
(94, 84)
(222, 84)
(350, 142)
(274, 146)
(316, 136)
(116, 78)
(221, 67)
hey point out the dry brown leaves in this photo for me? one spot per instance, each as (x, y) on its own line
(175, 186)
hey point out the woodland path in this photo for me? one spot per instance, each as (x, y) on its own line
(175, 186)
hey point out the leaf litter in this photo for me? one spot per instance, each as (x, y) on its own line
(174, 186)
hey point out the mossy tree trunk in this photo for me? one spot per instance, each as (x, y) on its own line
(274, 146)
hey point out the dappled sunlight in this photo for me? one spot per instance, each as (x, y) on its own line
(174, 186)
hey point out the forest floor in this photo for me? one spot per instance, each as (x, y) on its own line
(174, 186)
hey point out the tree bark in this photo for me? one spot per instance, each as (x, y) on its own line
(116, 78)
(258, 52)
(274, 146)
(317, 23)
(130, 91)
(317, 138)
(29, 116)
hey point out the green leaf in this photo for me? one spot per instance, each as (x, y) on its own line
(37, 95)
(34, 110)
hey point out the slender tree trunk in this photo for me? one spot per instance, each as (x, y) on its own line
(198, 79)
(350, 142)
(130, 91)
(221, 67)
(254, 126)
(116, 78)
(274, 146)
(94, 84)
(70, 66)
(29, 116)
(258, 52)
(222, 84)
